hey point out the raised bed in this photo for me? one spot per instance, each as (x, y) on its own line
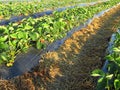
(69, 67)
(20, 66)
(43, 13)
(15, 8)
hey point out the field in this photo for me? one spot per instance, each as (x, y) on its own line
(73, 65)
(15, 8)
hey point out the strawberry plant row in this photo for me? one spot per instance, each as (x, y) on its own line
(18, 37)
(12, 9)
(110, 80)
(47, 12)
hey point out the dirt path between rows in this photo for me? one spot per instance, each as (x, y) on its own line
(70, 67)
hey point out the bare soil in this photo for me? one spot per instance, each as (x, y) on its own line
(70, 67)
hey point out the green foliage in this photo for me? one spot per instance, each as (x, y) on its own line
(18, 8)
(18, 37)
(111, 79)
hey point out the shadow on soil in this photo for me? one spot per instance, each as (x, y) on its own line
(69, 67)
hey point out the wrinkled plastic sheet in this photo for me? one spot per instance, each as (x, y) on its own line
(25, 62)
(48, 12)
(109, 50)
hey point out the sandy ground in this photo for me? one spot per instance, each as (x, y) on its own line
(70, 67)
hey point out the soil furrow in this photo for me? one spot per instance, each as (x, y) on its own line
(70, 67)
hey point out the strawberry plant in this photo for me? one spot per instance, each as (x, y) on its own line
(15, 8)
(111, 79)
(18, 37)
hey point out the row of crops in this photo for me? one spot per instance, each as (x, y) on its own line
(10, 9)
(111, 79)
(18, 37)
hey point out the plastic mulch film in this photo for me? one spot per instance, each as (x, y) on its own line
(25, 62)
(48, 12)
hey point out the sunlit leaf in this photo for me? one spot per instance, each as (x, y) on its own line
(117, 84)
(110, 58)
(98, 72)
(116, 49)
(2, 39)
(38, 45)
(109, 76)
(34, 35)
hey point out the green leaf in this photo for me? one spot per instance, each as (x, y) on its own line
(1, 61)
(38, 45)
(102, 83)
(2, 29)
(20, 35)
(45, 25)
(27, 27)
(11, 28)
(23, 35)
(117, 60)
(34, 36)
(2, 39)
(3, 56)
(24, 49)
(14, 35)
(116, 49)
(117, 84)
(3, 46)
(12, 53)
(98, 72)
(14, 42)
(110, 58)
(109, 76)
(40, 30)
